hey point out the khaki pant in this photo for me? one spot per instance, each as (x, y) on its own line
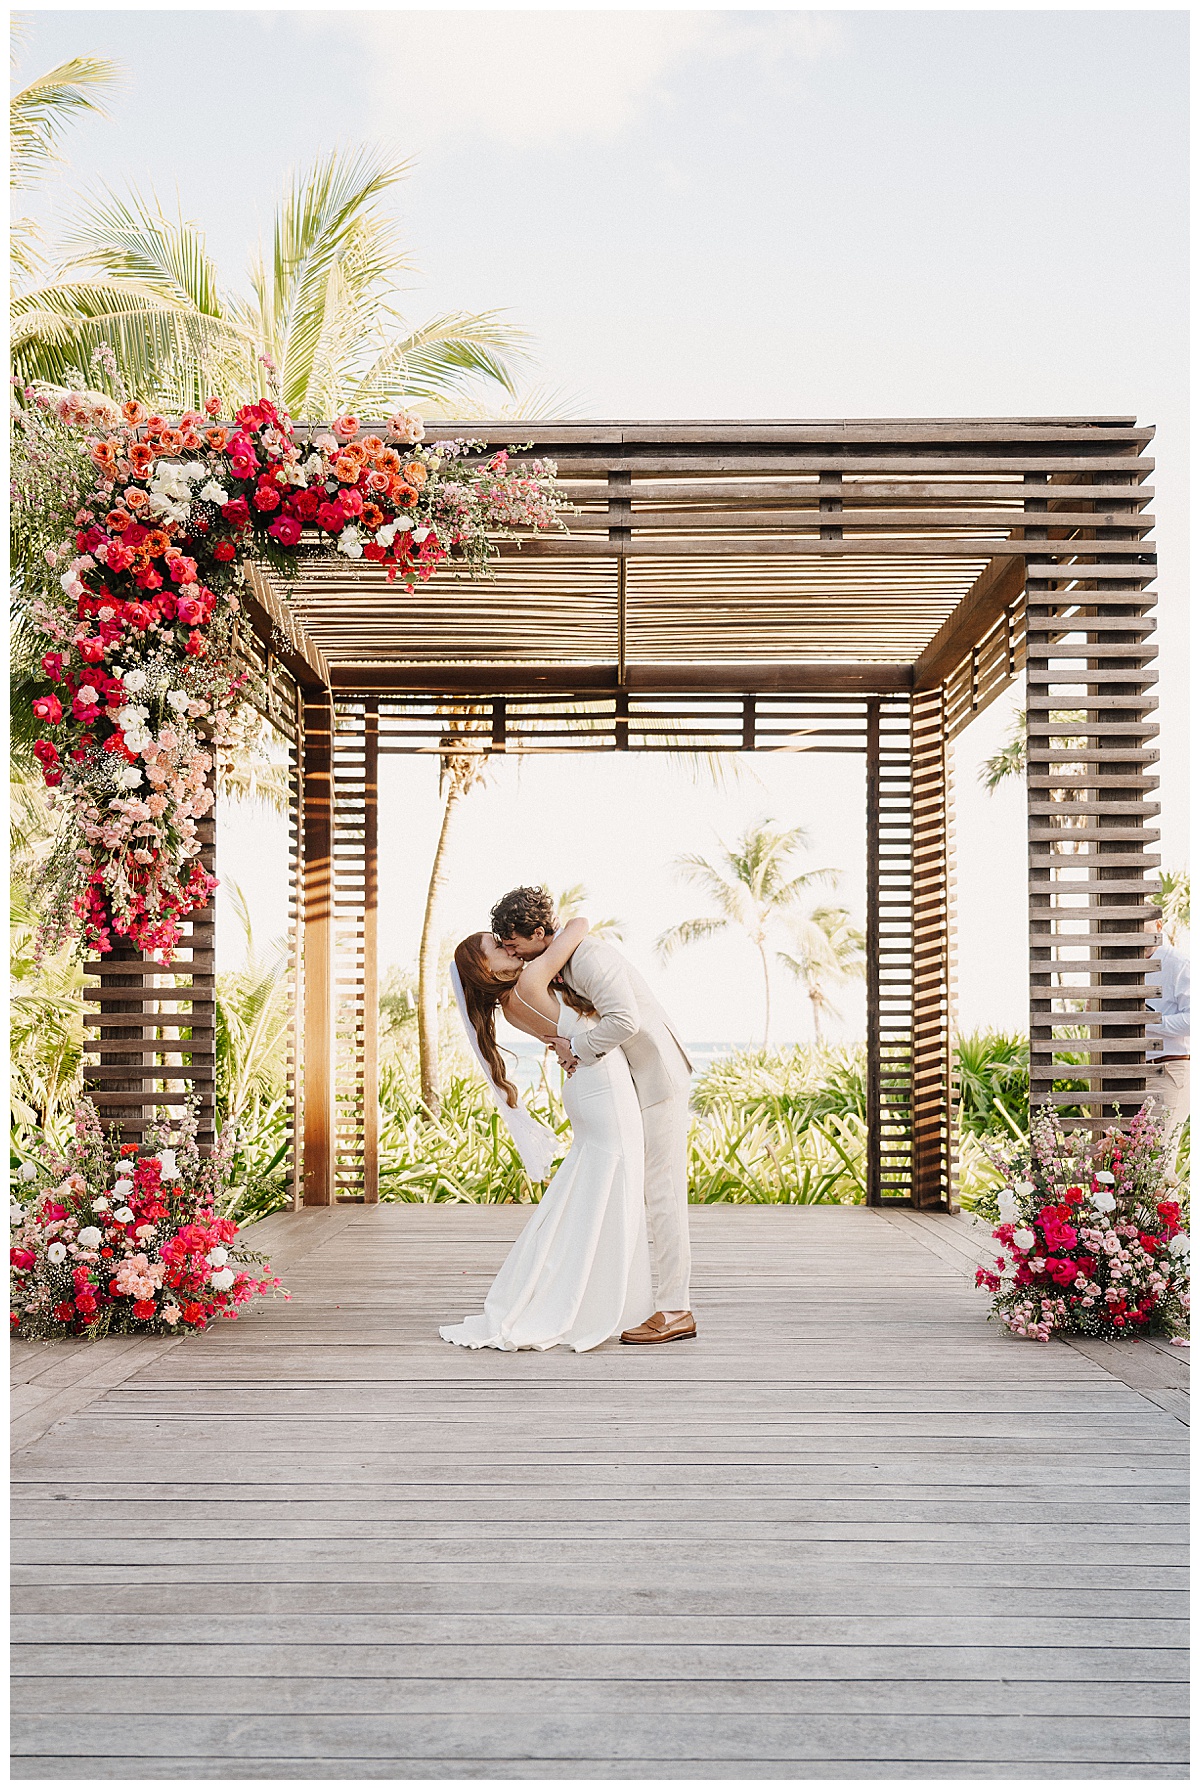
(665, 1125)
(1170, 1086)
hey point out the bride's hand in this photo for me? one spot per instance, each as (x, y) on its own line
(566, 1056)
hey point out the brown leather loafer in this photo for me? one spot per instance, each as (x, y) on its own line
(656, 1329)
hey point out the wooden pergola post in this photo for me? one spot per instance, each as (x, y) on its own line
(932, 851)
(316, 759)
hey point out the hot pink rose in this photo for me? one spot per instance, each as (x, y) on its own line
(183, 569)
(345, 428)
(120, 558)
(91, 650)
(188, 611)
(52, 666)
(22, 1259)
(48, 708)
(286, 530)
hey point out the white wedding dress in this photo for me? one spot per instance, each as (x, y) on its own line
(580, 1270)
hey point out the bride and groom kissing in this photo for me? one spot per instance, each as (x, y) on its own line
(606, 1251)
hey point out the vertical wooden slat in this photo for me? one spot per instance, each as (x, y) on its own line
(891, 1120)
(932, 991)
(872, 940)
(370, 959)
(317, 952)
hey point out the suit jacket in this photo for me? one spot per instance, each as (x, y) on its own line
(629, 1018)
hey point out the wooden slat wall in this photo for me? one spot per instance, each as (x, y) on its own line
(933, 886)
(317, 951)
(355, 886)
(136, 1063)
(889, 951)
(1090, 681)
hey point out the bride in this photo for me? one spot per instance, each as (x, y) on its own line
(580, 1270)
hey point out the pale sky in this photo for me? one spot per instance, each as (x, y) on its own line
(720, 214)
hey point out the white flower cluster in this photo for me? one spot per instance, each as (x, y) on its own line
(171, 488)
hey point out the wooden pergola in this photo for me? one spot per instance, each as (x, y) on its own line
(857, 586)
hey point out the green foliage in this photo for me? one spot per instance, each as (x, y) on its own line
(465, 1155)
(993, 1083)
(45, 1040)
(1173, 898)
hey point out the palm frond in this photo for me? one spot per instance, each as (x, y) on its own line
(39, 113)
(687, 932)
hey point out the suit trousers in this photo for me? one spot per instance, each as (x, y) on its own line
(1170, 1084)
(665, 1126)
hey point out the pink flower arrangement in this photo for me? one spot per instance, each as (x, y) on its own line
(136, 591)
(1091, 1233)
(118, 1240)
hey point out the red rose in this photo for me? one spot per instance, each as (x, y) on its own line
(144, 1308)
(286, 530)
(183, 570)
(266, 496)
(22, 1259)
(196, 646)
(331, 518)
(351, 502)
(146, 579)
(46, 752)
(140, 615)
(52, 667)
(1148, 1243)
(106, 1251)
(236, 512)
(224, 550)
(243, 466)
(52, 779)
(119, 557)
(64, 1312)
(306, 504)
(372, 550)
(48, 708)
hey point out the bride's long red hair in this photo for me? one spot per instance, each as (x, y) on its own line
(482, 990)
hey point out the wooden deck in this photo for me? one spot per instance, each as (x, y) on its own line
(852, 1531)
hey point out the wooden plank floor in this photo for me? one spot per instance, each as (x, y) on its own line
(852, 1531)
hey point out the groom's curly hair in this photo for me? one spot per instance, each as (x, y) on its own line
(523, 910)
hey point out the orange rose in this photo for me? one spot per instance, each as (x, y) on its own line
(346, 469)
(402, 495)
(371, 445)
(117, 521)
(171, 441)
(140, 456)
(104, 453)
(191, 442)
(133, 412)
(372, 515)
(217, 438)
(136, 499)
(377, 481)
(156, 542)
(389, 460)
(415, 473)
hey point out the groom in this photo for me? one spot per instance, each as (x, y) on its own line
(629, 1017)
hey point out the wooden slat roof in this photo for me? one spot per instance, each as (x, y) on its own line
(710, 544)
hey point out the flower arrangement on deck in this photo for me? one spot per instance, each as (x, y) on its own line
(127, 1240)
(132, 534)
(1091, 1231)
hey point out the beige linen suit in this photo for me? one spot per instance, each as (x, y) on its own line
(630, 1019)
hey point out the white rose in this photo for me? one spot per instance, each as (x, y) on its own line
(1006, 1203)
(56, 1253)
(212, 493)
(1024, 1240)
(1026, 1187)
(222, 1280)
(90, 1237)
(349, 544)
(1181, 1244)
(145, 1230)
(123, 1215)
(28, 1171)
(217, 1258)
(196, 470)
(178, 700)
(100, 1205)
(123, 1184)
(1103, 1175)
(169, 1170)
(134, 681)
(130, 777)
(133, 714)
(1103, 1201)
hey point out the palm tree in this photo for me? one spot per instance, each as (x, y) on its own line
(751, 889)
(826, 948)
(37, 117)
(459, 773)
(573, 900)
(1173, 898)
(316, 323)
(1009, 761)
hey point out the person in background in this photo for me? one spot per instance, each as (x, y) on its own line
(1168, 1041)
